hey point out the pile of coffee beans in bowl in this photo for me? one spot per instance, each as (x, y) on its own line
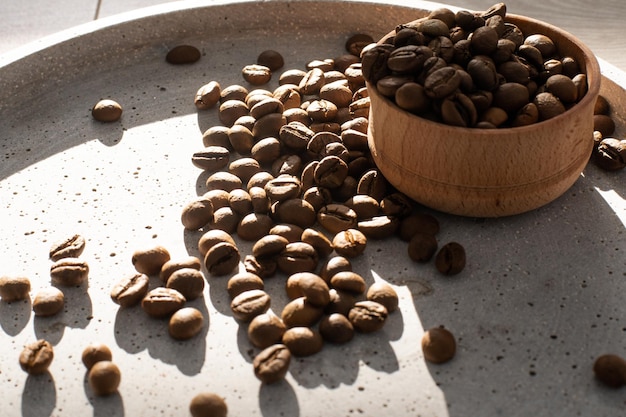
(472, 69)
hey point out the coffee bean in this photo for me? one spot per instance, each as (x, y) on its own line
(185, 323)
(230, 111)
(212, 238)
(212, 158)
(208, 404)
(241, 140)
(266, 150)
(548, 106)
(301, 312)
(107, 111)
(234, 92)
(340, 302)
(36, 357)
(222, 259)
(218, 198)
(323, 246)
(337, 217)
(442, 82)
(303, 341)
(330, 172)
(244, 281)
(187, 281)
(295, 211)
(14, 288)
(175, 264)
(183, 54)
(265, 330)
(272, 363)
(256, 74)
(104, 378)
(283, 187)
(374, 184)
(604, 124)
(438, 345)
(350, 243)
(291, 232)
(94, 353)
(216, 136)
(265, 106)
(197, 213)
(150, 260)
(610, 369)
(379, 227)
(71, 247)
(368, 316)
(510, 97)
(384, 294)
(422, 247)
(208, 95)
(450, 259)
(297, 257)
(312, 82)
(130, 290)
(610, 154)
(262, 267)
(69, 271)
(348, 281)
(334, 265)
(483, 71)
(355, 43)
(162, 302)
(48, 302)
(336, 328)
(250, 304)
(295, 136)
(271, 59)
(225, 219)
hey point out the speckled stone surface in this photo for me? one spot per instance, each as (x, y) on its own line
(540, 298)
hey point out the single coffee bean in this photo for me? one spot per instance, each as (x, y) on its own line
(438, 345)
(340, 302)
(187, 281)
(337, 217)
(336, 328)
(14, 288)
(484, 73)
(244, 281)
(295, 136)
(374, 184)
(291, 232)
(130, 290)
(312, 82)
(256, 74)
(350, 243)
(272, 363)
(336, 92)
(266, 150)
(458, 110)
(212, 238)
(303, 341)
(295, 211)
(230, 111)
(222, 259)
(162, 302)
(175, 264)
(265, 330)
(207, 96)
(197, 213)
(317, 197)
(308, 285)
(218, 198)
(271, 59)
(283, 187)
(262, 267)
(384, 294)
(259, 200)
(36, 357)
(334, 265)
(484, 40)
(602, 105)
(450, 259)
(208, 404)
(527, 115)
(300, 312)
(216, 136)
(150, 260)
(212, 158)
(269, 246)
(241, 140)
(368, 316)
(510, 97)
(548, 106)
(250, 304)
(319, 241)
(355, 43)
(69, 271)
(71, 247)
(379, 227)
(104, 378)
(348, 281)
(234, 92)
(442, 82)
(185, 323)
(94, 353)
(610, 154)
(604, 124)
(48, 302)
(297, 257)
(183, 54)
(330, 172)
(254, 226)
(107, 111)
(610, 369)
(265, 106)
(287, 165)
(422, 247)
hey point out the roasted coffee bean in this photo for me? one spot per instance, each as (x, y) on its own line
(374, 184)
(208, 404)
(510, 97)
(266, 150)
(244, 168)
(208, 95)
(295, 211)
(269, 246)
(527, 115)
(289, 95)
(263, 267)
(48, 302)
(271, 59)
(379, 227)
(183, 54)
(355, 43)
(310, 286)
(297, 257)
(438, 345)
(484, 40)
(287, 165)
(162, 302)
(317, 197)
(374, 59)
(495, 116)
(230, 111)
(484, 73)
(234, 92)
(322, 110)
(222, 259)
(256, 74)
(36, 357)
(319, 241)
(412, 97)
(450, 259)
(216, 136)
(336, 328)
(187, 281)
(104, 378)
(422, 247)
(602, 105)
(303, 341)
(295, 136)
(69, 271)
(611, 154)
(244, 281)
(254, 226)
(384, 294)
(300, 312)
(107, 110)
(150, 260)
(197, 213)
(211, 238)
(442, 82)
(14, 288)
(458, 110)
(368, 316)
(334, 265)
(175, 264)
(94, 353)
(250, 304)
(241, 139)
(388, 85)
(283, 187)
(218, 198)
(337, 217)
(548, 106)
(604, 124)
(291, 232)
(330, 172)
(312, 82)
(265, 330)
(350, 243)
(130, 290)
(336, 92)
(213, 158)
(348, 281)
(272, 363)
(186, 323)
(71, 247)
(264, 106)
(340, 302)
(610, 369)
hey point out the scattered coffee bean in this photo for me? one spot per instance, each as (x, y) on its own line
(438, 345)
(107, 111)
(422, 247)
(336, 328)
(94, 353)
(610, 369)
(250, 304)
(150, 260)
(14, 288)
(36, 357)
(303, 341)
(208, 404)
(186, 323)
(610, 154)
(222, 259)
(384, 294)
(368, 316)
(256, 74)
(207, 96)
(104, 378)
(69, 272)
(272, 363)
(301, 313)
(450, 260)
(162, 302)
(244, 281)
(265, 330)
(348, 281)
(130, 290)
(187, 281)
(350, 243)
(48, 302)
(310, 286)
(71, 247)
(183, 54)
(175, 264)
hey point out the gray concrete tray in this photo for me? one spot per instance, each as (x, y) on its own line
(540, 299)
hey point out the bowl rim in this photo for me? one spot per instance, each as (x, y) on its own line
(592, 72)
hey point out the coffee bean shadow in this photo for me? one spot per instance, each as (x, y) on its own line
(109, 134)
(533, 308)
(15, 315)
(135, 332)
(111, 405)
(278, 399)
(39, 396)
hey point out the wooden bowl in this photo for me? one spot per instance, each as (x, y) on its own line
(487, 172)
